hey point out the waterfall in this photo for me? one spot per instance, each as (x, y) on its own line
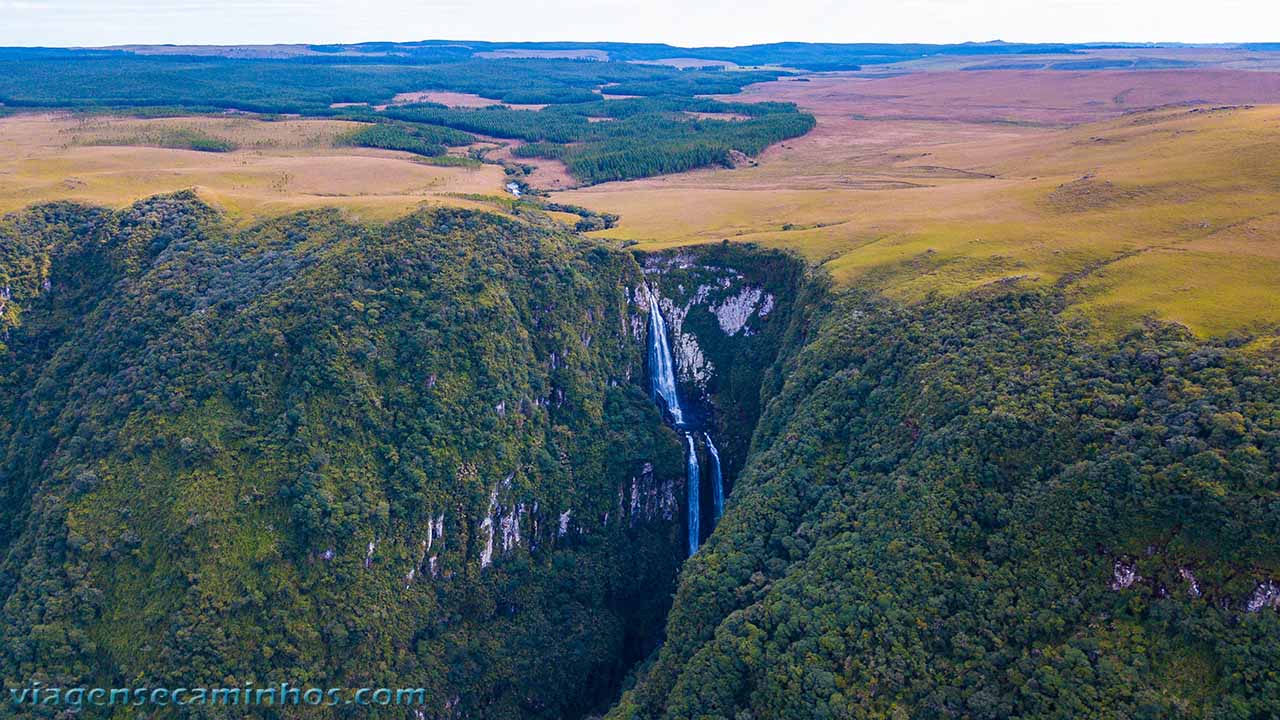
(717, 482)
(662, 374)
(662, 379)
(694, 488)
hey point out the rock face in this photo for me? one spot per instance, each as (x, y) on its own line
(727, 309)
(1193, 585)
(648, 499)
(723, 292)
(1266, 595)
(720, 315)
(1125, 576)
(687, 283)
(1124, 573)
(734, 312)
(512, 523)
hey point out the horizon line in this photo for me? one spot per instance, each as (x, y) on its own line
(588, 44)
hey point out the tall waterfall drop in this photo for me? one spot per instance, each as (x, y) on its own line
(662, 379)
(695, 486)
(717, 482)
(662, 373)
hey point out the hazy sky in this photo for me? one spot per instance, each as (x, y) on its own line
(679, 22)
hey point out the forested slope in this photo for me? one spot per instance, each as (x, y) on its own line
(328, 454)
(964, 509)
(422, 455)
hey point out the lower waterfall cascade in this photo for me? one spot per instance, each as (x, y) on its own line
(717, 481)
(695, 488)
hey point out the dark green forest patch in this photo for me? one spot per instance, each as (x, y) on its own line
(424, 140)
(966, 509)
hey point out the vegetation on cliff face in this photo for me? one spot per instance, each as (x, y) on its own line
(964, 509)
(341, 454)
(325, 453)
(735, 312)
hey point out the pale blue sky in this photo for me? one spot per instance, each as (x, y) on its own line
(680, 22)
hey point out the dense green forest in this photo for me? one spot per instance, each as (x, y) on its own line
(745, 365)
(645, 145)
(802, 55)
(328, 453)
(423, 140)
(969, 509)
(649, 135)
(341, 454)
(293, 86)
(643, 136)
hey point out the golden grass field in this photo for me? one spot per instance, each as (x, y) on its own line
(931, 182)
(278, 167)
(1169, 213)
